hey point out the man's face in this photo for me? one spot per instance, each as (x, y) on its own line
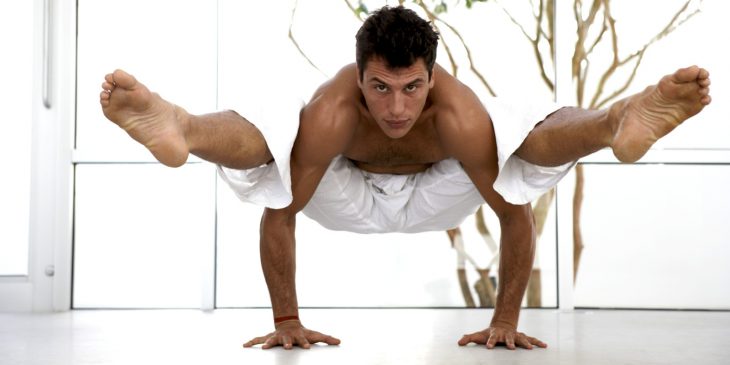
(395, 97)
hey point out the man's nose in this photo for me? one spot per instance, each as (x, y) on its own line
(397, 105)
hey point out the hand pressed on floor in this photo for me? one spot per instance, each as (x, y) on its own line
(493, 336)
(290, 334)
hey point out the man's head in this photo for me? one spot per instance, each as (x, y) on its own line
(397, 35)
(396, 52)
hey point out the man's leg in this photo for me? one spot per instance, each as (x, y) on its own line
(630, 126)
(171, 133)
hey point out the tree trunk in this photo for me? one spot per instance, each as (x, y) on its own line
(577, 205)
(534, 290)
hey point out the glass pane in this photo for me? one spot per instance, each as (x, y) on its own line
(171, 48)
(367, 270)
(16, 73)
(140, 231)
(655, 236)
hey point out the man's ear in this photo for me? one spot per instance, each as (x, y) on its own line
(433, 77)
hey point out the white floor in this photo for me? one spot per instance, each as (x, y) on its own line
(369, 336)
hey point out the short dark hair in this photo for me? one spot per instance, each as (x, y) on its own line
(399, 36)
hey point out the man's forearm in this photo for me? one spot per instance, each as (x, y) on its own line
(517, 251)
(278, 261)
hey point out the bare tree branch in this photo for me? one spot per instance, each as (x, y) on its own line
(580, 58)
(604, 28)
(534, 41)
(623, 88)
(536, 48)
(615, 60)
(296, 44)
(524, 32)
(551, 27)
(639, 55)
(433, 17)
(354, 11)
(668, 29)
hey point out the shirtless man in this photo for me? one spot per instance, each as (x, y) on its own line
(397, 114)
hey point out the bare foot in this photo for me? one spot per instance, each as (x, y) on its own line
(641, 119)
(146, 117)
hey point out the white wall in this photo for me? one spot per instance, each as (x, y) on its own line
(16, 68)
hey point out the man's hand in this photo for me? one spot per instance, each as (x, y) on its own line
(289, 334)
(498, 335)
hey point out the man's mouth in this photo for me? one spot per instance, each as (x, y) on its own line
(396, 123)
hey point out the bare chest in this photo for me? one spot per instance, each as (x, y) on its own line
(374, 152)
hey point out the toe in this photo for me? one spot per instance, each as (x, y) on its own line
(703, 74)
(686, 74)
(123, 79)
(104, 98)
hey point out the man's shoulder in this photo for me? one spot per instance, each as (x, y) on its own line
(460, 116)
(332, 114)
(451, 95)
(340, 91)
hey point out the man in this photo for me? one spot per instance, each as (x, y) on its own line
(394, 143)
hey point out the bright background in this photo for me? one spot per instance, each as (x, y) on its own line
(147, 236)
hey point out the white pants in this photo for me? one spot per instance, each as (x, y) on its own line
(354, 200)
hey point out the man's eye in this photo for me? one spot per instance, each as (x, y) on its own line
(411, 88)
(381, 88)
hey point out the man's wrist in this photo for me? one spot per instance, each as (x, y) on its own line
(281, 319)
(286, 319)
(503, 324)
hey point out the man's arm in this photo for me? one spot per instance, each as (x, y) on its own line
(326, 127)
(517, 251)
(467, 134)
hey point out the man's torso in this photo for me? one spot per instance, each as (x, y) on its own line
(371, 150)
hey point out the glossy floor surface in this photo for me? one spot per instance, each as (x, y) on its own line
(369, 336)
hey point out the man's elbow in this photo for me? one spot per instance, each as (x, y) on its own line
(520, 215)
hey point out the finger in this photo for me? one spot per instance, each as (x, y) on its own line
(510, 342)
(331, 340)
(465, 340)
(255, 341)
(537, 342)
(523, 342)
(270, 342)
(314, 337)
(286, 341)
(303, 343)
(492, 341)
(478, 338)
